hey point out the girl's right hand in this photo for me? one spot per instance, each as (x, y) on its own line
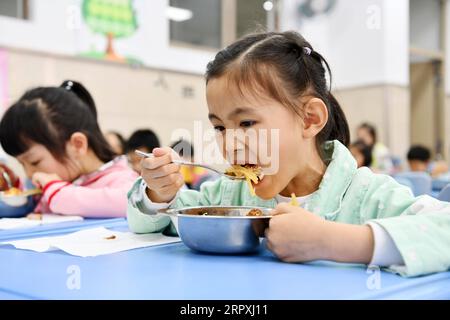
(163, 178)
(5, 170)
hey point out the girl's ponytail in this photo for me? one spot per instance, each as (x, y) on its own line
(82, 93)
(338, 122)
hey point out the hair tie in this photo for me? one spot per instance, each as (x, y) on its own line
(68, 85)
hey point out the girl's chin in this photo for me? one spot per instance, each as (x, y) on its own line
(263, 188)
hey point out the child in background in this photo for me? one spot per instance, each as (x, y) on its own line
(116, 142)
(144, 140)
(362, 153)
(419, 160)
(381, 158)
(278, 81)
(193, 176)
(53, 132)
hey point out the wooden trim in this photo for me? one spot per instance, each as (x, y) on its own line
(426, 53)
(25, 9)
(97, 61)
(442, 112)
(228, 23)
(277, 9)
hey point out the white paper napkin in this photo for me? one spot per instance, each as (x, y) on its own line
(93, 242)
(16, 223)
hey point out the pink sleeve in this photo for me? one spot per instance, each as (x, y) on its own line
(109, 201)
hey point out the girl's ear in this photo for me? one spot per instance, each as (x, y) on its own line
(315, 117)
(78, 144)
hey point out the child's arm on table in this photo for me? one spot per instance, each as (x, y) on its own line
(297, 235)
(65, 198)
(419, 227)
(415, 232)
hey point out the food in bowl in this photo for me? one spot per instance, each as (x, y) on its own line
(221, 229)
(254, 213)
(251, 173)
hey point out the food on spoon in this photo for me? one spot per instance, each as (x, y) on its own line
(251, 173)
(12, 192)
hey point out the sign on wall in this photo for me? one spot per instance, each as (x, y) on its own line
(112, 19)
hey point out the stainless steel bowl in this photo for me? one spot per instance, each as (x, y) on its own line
(16, 206)
(220, 229)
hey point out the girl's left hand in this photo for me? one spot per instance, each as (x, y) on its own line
(297, 235)
(40, 179)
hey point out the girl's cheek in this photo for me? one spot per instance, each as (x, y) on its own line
(220, 141)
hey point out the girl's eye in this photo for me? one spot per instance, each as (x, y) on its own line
(247, 123)
(35, 163)
(219, 128)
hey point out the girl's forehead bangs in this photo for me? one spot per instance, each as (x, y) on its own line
(252, 79)
(16, 133)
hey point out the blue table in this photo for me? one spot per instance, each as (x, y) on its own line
(57, 228)
(175, 272)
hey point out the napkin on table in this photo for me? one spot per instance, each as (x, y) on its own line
(93, 242)
(16, 223)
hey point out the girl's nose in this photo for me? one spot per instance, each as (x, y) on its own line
(28, 171)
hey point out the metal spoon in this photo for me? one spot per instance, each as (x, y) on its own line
(193, 164)
(7, 179)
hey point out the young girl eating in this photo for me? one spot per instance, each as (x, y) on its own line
(278, 81)
(53, 132)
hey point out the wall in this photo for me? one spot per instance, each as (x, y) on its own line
(126, 98)
(386, 106)
(65, 33)
(366, 43)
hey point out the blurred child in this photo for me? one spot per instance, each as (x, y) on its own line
(144, 140)
(53, 132)
(362, 153)
(381, 159)
(193, 176)
(419, 159)
(277, 81)
(116, 142)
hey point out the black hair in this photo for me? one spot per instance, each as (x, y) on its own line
(183, 148)
(142, 138)
(420, 153)
(49, 116)
(365, 150)
(284, 66)
(371, 129)
(119, 137)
